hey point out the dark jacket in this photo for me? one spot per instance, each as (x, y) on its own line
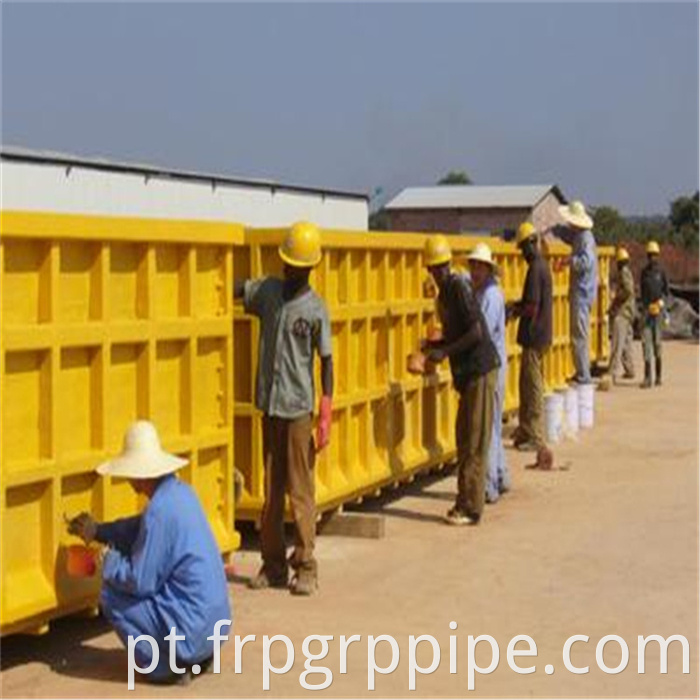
(535, 326)
(459, 311)
(654, 285)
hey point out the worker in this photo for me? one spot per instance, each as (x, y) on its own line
(162, 569)
(534, 311)
(622, 311)
(654, 289)
(474, 364)
(583, 284)
(294, 326)
(482, 269)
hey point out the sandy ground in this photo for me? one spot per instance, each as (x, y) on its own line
(608, 546)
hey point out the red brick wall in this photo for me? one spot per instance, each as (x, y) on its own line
(484, 220)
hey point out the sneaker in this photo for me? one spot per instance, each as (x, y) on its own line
(491, 498)
(628, 375)
(304, 583)
(646, 384)
(265, 580)
(455, 516)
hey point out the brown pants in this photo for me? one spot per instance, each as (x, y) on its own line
(531, 410)
(289, 452)
(473, 427)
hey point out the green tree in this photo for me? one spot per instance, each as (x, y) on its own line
(609, 225)
(379, 220)
(684, 220)
(455, 177)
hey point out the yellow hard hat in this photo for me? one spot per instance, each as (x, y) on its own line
(302, 246)
(437, 251)
(525, 230)
(653, 248)
(622, 255)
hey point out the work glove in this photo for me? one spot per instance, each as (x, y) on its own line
(436, 355)
(325, 415)
(83, 526)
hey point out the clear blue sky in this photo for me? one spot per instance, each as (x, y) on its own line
(600, 98)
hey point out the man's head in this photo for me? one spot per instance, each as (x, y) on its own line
(301, 247)
(622, 257)
(653, 251)
(437, 258)
(296, 276)
(142, 461)
(527, 240)
(576, 217)
(481, 265)
(145, 487)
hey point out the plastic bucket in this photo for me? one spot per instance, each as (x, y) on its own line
(553, 417)
(571, 412)
(586, 401)
(81, 561)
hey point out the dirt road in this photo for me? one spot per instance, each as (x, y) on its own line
(607, 547)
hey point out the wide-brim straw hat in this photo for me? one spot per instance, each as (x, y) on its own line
(482, 253)
(576, 215)
(142, 457)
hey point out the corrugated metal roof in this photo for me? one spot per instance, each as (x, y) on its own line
(53, 157)
(472, 197)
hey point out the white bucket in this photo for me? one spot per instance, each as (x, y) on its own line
(554, 417)
(586, 401)
(571, 412)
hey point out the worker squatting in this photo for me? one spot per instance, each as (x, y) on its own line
(162, 571)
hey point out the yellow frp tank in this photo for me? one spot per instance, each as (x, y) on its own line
(387, 423)
(105, 320)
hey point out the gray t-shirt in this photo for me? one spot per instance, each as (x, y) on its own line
(290, 331)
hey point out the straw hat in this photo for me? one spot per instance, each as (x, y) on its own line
(482, 253)
(575, 214)
(142, 456)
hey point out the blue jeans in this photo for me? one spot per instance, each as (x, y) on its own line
(580, 332)
(497, 477)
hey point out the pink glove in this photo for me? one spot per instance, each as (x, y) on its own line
(325, 414)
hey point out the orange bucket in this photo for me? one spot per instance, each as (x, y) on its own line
(81, 561)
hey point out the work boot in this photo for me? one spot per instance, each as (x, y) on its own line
(456, 516)
(266, 579)
(527, 446)
(658, 371)
(646, 384)
(305, 582)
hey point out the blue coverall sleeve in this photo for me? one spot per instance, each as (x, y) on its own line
(120, 534)
(150, 562)
(583, 260)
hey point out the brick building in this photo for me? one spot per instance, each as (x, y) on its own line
(474, 209)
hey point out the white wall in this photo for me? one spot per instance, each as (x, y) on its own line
(78, 190)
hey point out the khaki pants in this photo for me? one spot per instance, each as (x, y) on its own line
(473, 428)
(288, 450)
(531, 410)
(621, 352)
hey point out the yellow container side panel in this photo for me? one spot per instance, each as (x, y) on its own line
(105, 321)
(387, 424)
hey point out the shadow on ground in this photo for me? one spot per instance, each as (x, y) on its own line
(66, 649)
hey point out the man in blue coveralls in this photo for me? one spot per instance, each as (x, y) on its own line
(583, 285)
(162, 569)
(482, 269)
